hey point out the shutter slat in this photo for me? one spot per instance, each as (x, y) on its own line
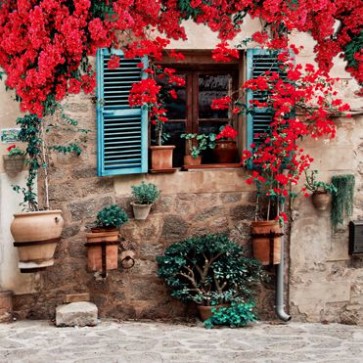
(122, 131)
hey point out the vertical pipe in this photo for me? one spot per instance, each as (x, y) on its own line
(279, 309)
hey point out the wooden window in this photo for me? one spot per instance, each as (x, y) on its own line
(191, 112)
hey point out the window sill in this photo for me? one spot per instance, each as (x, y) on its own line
(211, 166)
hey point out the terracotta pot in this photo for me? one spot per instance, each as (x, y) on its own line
(205, 311)
(266, 249)
(99, 242)
(13, 165)
(225, 151)
(141, 211)
(321, 200)
(162, 157)
(36, 235)
(189, 160)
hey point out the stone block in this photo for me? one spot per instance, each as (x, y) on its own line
(77, 314)
(70, 298)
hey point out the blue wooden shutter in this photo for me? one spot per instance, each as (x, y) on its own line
(258, 62)
(121, 130)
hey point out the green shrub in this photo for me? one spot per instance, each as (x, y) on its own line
(209, 270)
(145, 193)
(111, 217)
(237, 315)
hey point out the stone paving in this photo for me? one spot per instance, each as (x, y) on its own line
(141, 342)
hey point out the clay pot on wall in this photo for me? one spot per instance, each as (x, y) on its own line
(266, 243)
(13, 165)
(102, 250)
(162, 157)
(321, 200)
(225, 151)
(36, 235)
(189, 160)
(141, 211)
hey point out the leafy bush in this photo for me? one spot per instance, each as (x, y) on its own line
(237, 315)
(111, 217)
(145, 193)
(209, 270)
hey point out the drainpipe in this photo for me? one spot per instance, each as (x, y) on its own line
(280, 308)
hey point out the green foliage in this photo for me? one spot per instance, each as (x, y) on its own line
(353, 47)
(342, 204)
(111, 216)
(30, 134)
(237, 315)
(198, 143)
(187, 10)
(33, 132)
(314, 185)
(145, 193)
(16, 152)
(209, 270)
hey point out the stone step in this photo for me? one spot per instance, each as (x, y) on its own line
(81, 313)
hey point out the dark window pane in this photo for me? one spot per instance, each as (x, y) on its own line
(176, 108)
(175, 129)
(212, 86)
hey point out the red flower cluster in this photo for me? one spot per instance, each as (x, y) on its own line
(227, 133)
(278, 158)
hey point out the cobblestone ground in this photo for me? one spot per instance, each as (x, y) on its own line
(135, 342)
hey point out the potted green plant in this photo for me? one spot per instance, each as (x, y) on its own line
(195, 145)
(14, 161)
(37, 230)
(103, 238)
(321, 192)
(144, 195)
(209, 270)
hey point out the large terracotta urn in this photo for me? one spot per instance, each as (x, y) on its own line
(36, 235)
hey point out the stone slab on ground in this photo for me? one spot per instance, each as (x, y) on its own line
(81, 313)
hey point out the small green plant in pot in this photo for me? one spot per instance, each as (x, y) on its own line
(144, 195)
(109, 218)
(209, 270)
(195, 145)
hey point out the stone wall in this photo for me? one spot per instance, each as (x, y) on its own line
(193, 202)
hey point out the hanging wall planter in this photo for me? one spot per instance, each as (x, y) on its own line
(266, 241)
(321, 200)
(36, 236)
(144, 195)
(102, 250)
(13, 165)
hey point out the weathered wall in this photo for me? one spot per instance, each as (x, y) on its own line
(10, 277)
(325, 282)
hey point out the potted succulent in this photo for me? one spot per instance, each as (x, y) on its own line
(103, 238)
(209, 270)
(225, 150)
(37, 231)
(196, 144)
(14, 161)
(144, 195)
(321, 192)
